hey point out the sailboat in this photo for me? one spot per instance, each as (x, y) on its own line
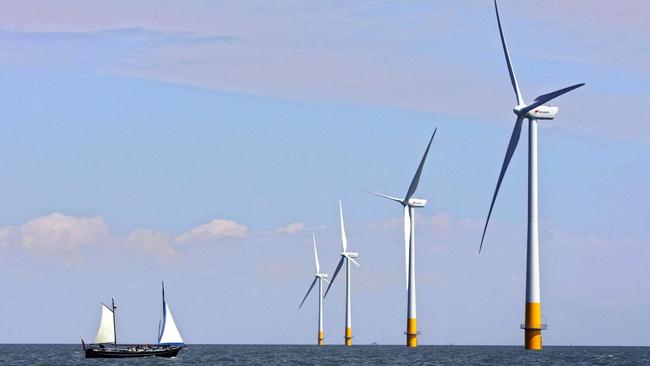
(169, 343)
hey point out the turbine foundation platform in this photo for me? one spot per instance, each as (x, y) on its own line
(533, 326)
(348, 336)
(533, 336)
(412, 333)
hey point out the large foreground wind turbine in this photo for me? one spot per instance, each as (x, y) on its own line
(409, 246)
(320, 277)
(345, 257)
(534, 111)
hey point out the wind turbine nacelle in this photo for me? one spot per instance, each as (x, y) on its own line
(351, 255)
(543, 112)
(417, 202)
(323, 275)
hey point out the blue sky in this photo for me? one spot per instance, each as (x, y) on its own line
(203, 145)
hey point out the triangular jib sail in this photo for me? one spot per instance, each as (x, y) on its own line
(168, 332)
(106, 331)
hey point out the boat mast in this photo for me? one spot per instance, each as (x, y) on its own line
(161, 322)
(163, 304)
(114, 326)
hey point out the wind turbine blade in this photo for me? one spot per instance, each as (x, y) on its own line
(511, 71)
(308, 291)
(385, 196)
(548, 97)
(512, 146)
(353, 261)
(344, 239)
(316, 255)
(416, 178)
(407, 237)
(336, 272)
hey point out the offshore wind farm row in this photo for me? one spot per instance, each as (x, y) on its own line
(535, 111)
(309, 182)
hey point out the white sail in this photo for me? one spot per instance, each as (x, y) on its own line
(168, 332)
(106, 331)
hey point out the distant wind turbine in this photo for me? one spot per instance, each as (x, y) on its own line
(345, 257)
(409, 245)
(320, 277)
(534, 111)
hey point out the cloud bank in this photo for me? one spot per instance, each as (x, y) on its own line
(152, 242)
(64, 236)
(291, 228)
(56, 233)
(213, 230)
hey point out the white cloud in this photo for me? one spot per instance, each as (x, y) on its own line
(56, 234)
(62, 236)
(8, 235)
(152, 242)
(291, 228)
(213, 230)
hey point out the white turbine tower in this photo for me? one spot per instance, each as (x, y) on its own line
(534, 111)
(320, 277)
(345, 257)
(409, 246)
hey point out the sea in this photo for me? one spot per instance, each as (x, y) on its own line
(66, 354)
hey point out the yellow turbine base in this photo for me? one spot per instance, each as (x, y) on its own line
(348, 336)
(533, 332)
(411, 333)
(321, 338)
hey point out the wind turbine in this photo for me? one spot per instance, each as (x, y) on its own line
(320, 277)
(345, 257)
(534, 111)
(410, 204)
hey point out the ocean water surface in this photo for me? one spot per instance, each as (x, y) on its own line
(65, 354)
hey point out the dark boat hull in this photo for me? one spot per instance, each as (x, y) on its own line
(124, 351)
